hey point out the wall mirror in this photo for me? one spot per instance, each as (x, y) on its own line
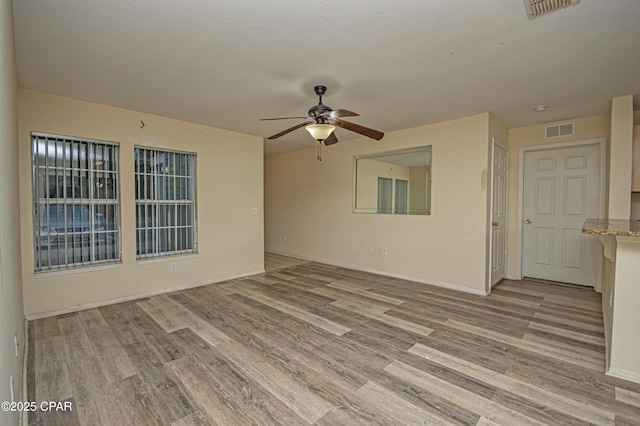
(393, 182)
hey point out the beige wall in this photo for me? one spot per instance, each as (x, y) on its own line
(620, 149)
(585, 128)
(229, 185)
(11, 307)
(620, 301)
(621, 295)
(308, 208)
(635, 206)
(625, 344)
(608, 285)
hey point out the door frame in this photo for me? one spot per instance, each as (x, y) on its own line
(602, 143)
(494, 142)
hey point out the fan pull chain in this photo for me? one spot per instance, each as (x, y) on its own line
(319, 151)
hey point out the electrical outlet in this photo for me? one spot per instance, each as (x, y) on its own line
(384, 251)
(174, 268)
(369, 249)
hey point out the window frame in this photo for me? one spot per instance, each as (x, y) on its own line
(91, 200)
(155, 205)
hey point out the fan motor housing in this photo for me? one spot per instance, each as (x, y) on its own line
(318, 110)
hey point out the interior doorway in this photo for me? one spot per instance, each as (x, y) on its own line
(498, 214)
(562, 185)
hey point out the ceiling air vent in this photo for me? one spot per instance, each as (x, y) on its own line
(558, 130)
(537, 8)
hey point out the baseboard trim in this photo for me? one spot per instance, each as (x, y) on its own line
(417, 280)
(293, 255)
(24, 415)
(394, 275)
(624, 374)
(99, 304)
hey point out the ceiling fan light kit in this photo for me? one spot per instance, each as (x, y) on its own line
(320, 132)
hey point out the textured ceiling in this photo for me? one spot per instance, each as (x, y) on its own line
(398, 64)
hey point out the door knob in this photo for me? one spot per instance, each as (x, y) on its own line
(528, 221)
(495, 224)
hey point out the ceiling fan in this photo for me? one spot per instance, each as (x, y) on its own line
(323, 120)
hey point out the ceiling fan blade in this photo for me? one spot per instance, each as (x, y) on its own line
(291, 129)
(331, 139)
(281, 118)
(365, 131)
(343, 113)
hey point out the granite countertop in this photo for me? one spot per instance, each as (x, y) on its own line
(615, 227)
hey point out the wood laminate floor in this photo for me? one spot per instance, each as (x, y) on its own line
(308, 343)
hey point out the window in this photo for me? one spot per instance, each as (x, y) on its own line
(75, 202)
(400, 196)
(385, 194)
(165, 202)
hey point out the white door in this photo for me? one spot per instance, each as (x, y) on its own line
(562, 188)
(498, 214)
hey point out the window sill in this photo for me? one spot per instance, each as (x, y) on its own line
(78, 270)
(168, 258)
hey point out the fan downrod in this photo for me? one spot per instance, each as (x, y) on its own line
(316, 111)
